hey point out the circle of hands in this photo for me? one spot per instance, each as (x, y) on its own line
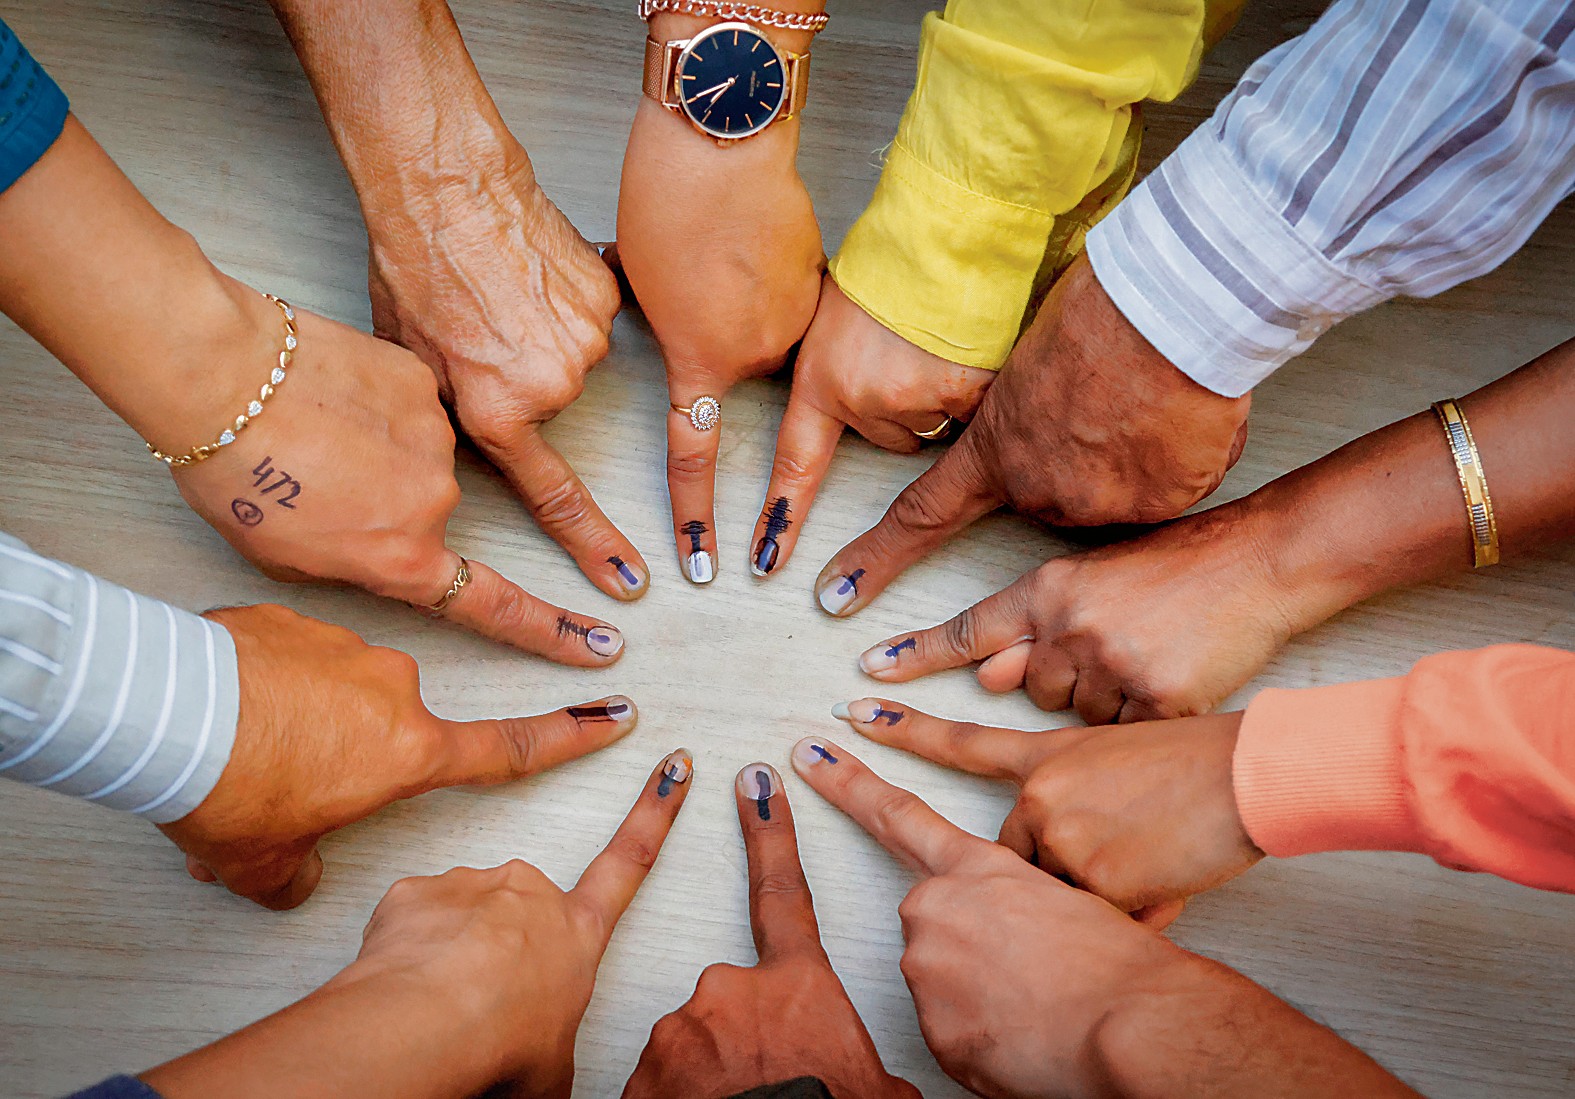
(500, 316)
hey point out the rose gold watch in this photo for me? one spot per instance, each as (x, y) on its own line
(729, 81)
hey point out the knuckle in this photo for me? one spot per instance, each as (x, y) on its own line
(519, 746)
(687, 467)
(895, 811)
(635, 850)
(960, 634)
(779, 883)
(564, 504)
(791, 469)
(917, 510)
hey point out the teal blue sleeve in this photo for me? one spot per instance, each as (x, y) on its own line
(32, 109)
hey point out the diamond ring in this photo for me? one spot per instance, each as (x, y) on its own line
(704, 414)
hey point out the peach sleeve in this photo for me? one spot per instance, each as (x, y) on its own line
(1469, 758)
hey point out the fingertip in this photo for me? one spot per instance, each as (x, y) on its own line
(200, 871)
(606, 642)
(860, 711)
(838, 591)
(629, 577)
(758, 784)
(674, 772)
(1006, 670)
(617, 711)
(812, 755)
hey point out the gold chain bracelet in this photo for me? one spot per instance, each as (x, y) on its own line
(814, 22)
(253, 409)
(1473, 483)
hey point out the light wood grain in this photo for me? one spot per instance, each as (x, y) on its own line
(112, 959)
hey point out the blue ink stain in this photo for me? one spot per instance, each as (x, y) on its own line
(664, 787)
(850, 583)
(822, 753)
(905, 643)
(763, 799)
(891, 716)
(624, 571)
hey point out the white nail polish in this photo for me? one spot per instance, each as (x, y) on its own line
(840, 711)
(700, 568)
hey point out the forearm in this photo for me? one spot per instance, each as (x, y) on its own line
(1387, 509)
(1202, 1029)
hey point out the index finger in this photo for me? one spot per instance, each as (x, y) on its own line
(900, 821)
(781, 910)
(948, 497)
(1010, 754)
(806, 444)
(496, 607)
(615, 876)
(693, 440)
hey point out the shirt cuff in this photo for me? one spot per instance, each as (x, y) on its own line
(1213, 276)
(32, 109)
(1321, 769)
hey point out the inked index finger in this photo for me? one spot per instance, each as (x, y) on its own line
(900, 821)
(1010, 754)
(781, 909)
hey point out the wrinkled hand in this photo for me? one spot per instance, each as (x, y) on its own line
(853, 370)
(1087, 425)
(498, 293)
(331, 730)
(517, 951)
(722, 249)
(1142, 815)
(1013, 972)
(349, 476)
(784, 1018)
(1167, 625)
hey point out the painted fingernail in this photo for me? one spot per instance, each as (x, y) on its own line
(604, 640)
(862, 710)
(676, 769)
(766, 550)
(812, 753)
(759, 782)
(630, 579)
(698, 566)
(883, 657)
(840, 591)
(616, 708)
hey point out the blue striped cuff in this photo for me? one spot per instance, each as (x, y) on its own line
(1213, 276)
(32, 109)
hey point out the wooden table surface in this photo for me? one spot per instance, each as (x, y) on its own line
(112, 959)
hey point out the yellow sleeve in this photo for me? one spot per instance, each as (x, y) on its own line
(1019, 135)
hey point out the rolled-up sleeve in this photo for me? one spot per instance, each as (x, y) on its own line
(32, 109)
(108, 695)
(1398, 147)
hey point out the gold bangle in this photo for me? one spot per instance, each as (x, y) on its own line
(253, 409)
(1473, 483)
(813, 22)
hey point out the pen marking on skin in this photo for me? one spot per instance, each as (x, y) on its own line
(891, 716)
(763, 799)
(567, 626)
(263, 470)
(624, 571)
(822, 753)
(695, 529)
(599, 713)
(906, 643)
(246, 512)
(777, 521)
(664, 787)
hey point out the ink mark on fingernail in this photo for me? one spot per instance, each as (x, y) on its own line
(822, 753)
(906, 644)
(673, 772)
(763, 799)
(624, 571)
(850, 583)
(777, 521)
(246, 512)
(613, 712)
(891, 716)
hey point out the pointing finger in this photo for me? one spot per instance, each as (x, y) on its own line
(481, 753)
(502, 610)
(984, 629)
(781, 910)
(693, 439)
(1009, 754)
(900, 821)
(806, 444)
(949, 496)
(615, 876)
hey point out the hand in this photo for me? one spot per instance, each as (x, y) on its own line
(349, 476)
(331, 730)
(853, 370)
(498, 293)
(1143, 815)
(1167, 625)
(786, 1017)
(1027, 987)
(1087, 425)
(466, 980)
(722, 250)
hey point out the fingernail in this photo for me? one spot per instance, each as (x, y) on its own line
(862, 710)
(883, 657)
(700, 569)
(840, 591)
(812, 753)
(765, 558)
(604, 640)
(630, 579)
(676, 769)
(760, 783)
(777, 521)
(615, 708)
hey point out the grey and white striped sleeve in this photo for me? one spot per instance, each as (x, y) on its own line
(1397, 147)
(108, 695)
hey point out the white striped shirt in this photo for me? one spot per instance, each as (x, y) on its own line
(1397, 147)
(108, 695)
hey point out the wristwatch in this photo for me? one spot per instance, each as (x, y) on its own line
(729, 80)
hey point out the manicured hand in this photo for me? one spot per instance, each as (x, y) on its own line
(1167, 625)
(1142, 815)
(348, 475)
(722, 249)
(498, 293)
(786, 1017)
(853, 371)
(1087, 425)
(331, 730)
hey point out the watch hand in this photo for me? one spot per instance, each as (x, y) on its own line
(717, 88)
(730, 82)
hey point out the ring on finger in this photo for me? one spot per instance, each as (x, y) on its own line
(461, 578)
(938, 430)
(704, 414)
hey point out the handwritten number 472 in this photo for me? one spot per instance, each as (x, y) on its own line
(265, 470)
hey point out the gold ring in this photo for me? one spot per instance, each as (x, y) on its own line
(938, 430)
(704, 414)
(461, 578)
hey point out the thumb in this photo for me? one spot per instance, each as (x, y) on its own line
(494, 750)
(949, 496)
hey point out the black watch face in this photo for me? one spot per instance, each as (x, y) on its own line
(730, 80)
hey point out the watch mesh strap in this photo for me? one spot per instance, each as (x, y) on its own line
(655, 53)
(800, 65)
